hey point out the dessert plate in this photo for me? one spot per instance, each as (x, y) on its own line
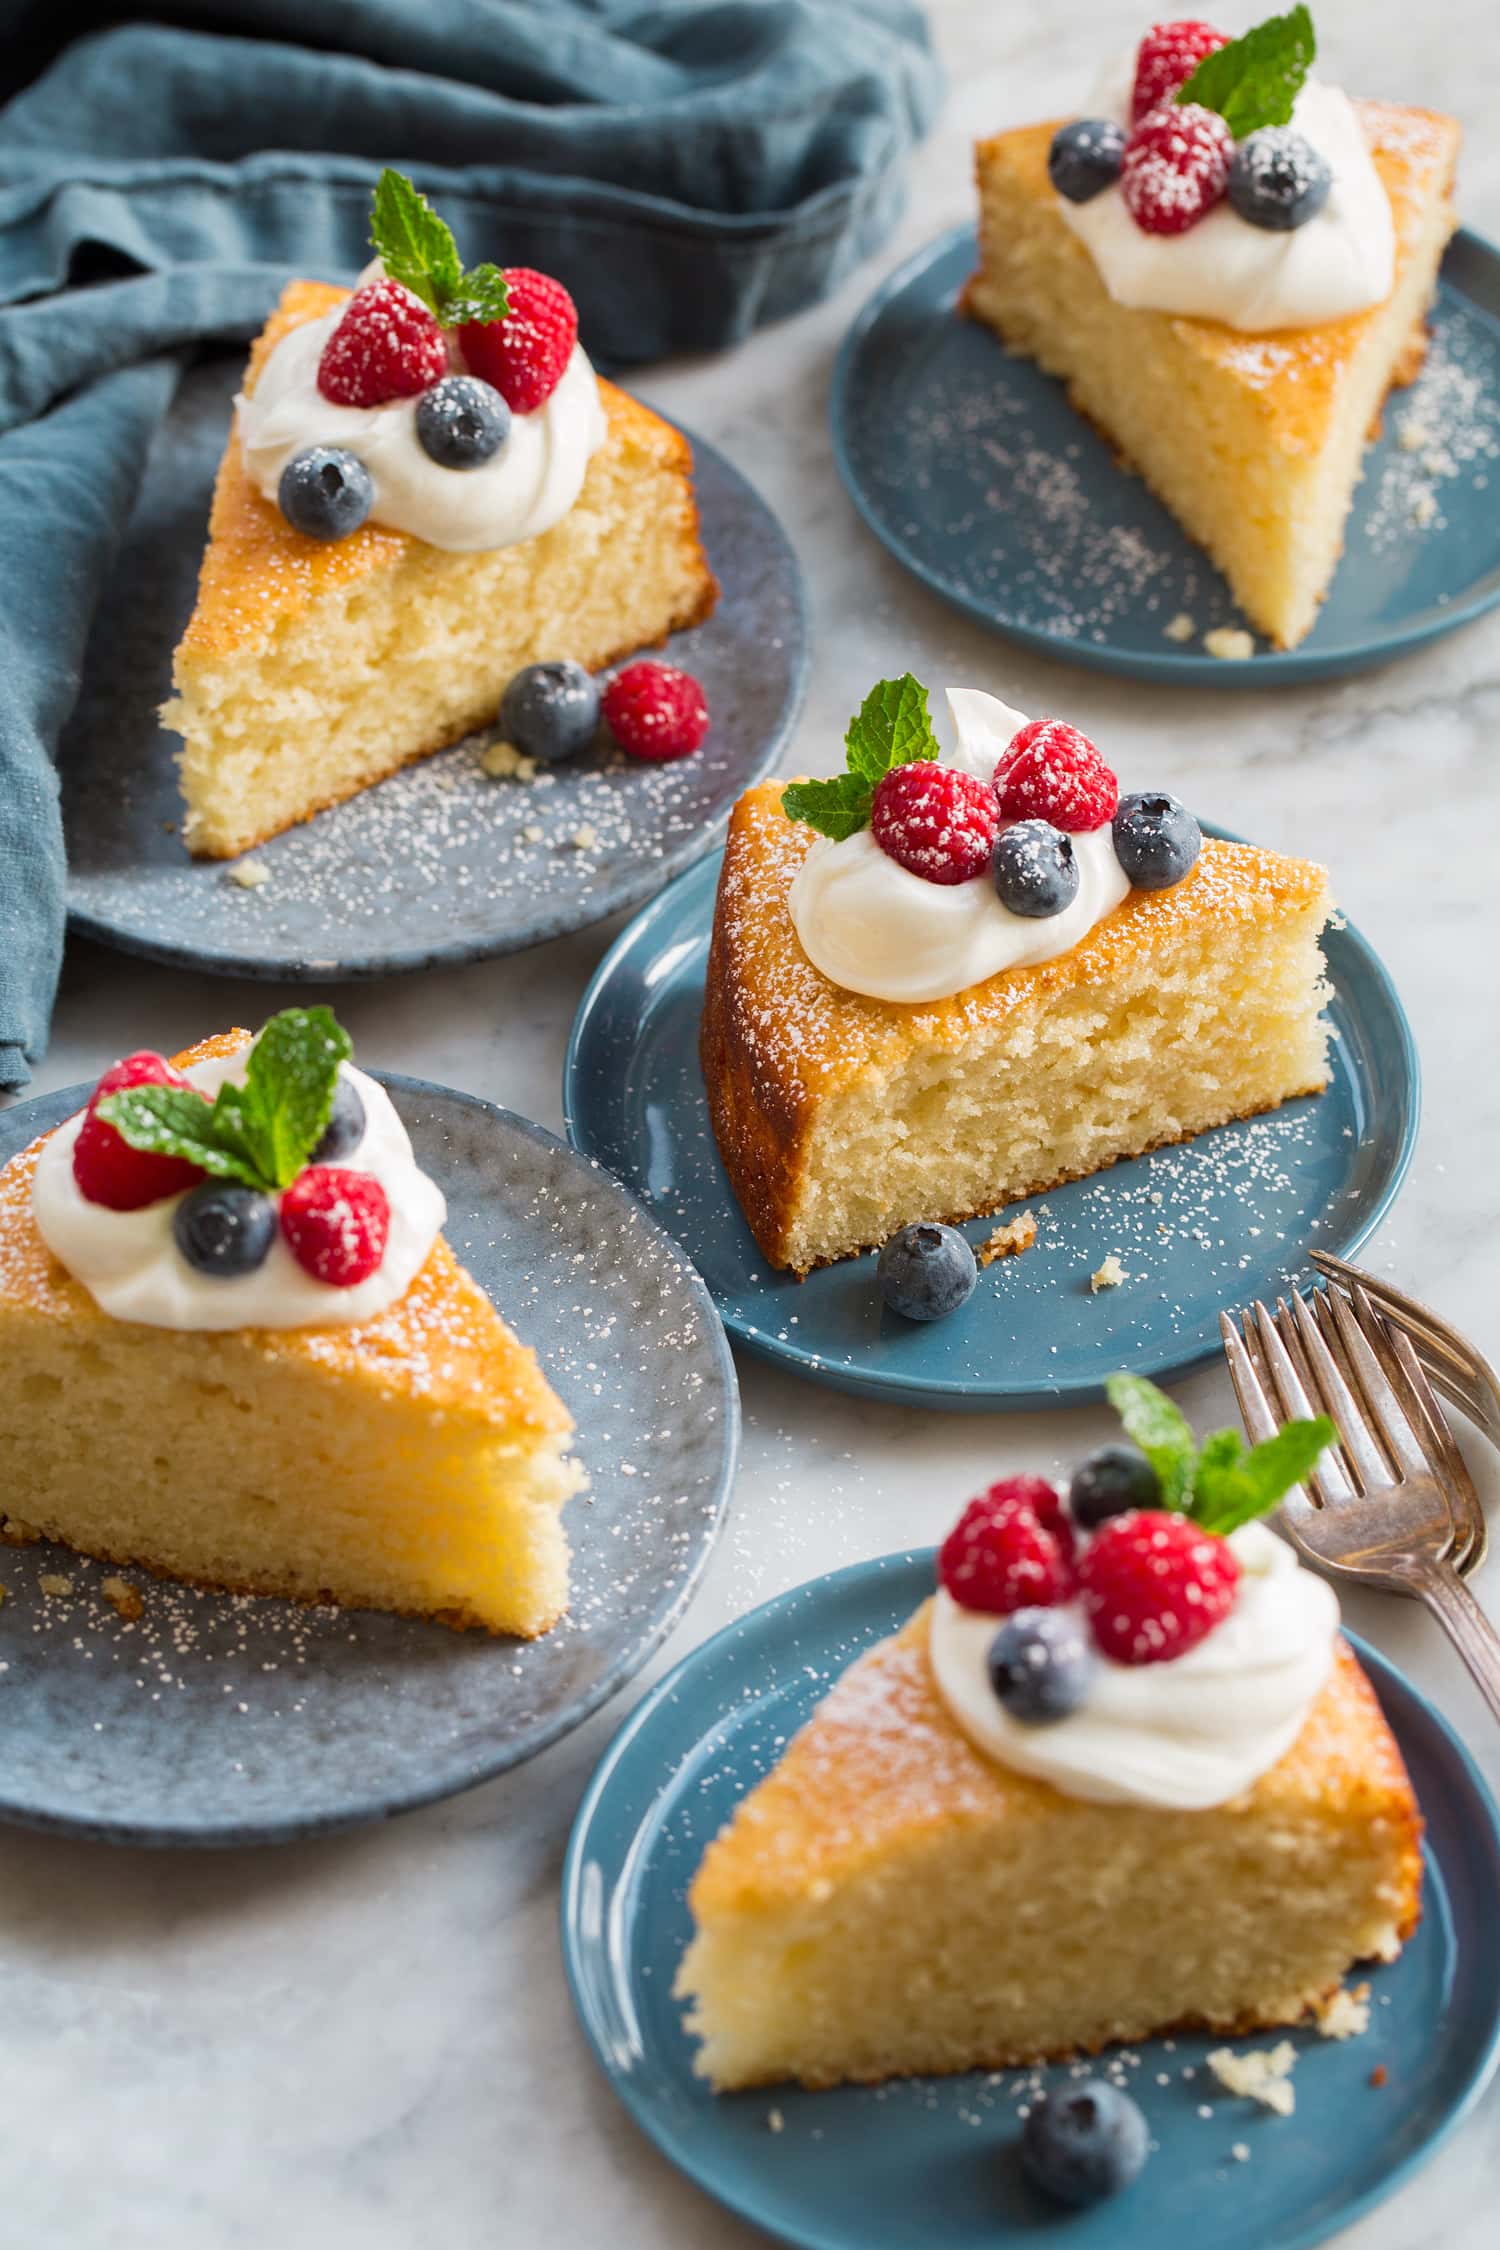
(440, 863)
(1226, 1217)
(977, 474)
(229, 1719)
(930, 2164)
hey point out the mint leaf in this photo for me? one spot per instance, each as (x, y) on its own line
(169, 1121)
(417, 249)
(1161, 1431)
(836, 808)
(891, 728)
(1255, 81)
(1233, 1487)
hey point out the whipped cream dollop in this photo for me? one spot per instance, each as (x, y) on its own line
(130, 1264)
(1185, 1734)
(875, 928)
(521, 491)
(1251, 278)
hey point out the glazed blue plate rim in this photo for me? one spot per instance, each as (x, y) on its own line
(1268, 668)
(890, 1574)
(354, 1810)
(561, 919)
(579, 1104)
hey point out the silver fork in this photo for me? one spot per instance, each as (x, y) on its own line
(1463, 1375)
(1378, 1507)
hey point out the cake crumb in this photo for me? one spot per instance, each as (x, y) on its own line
(1263, 2075)
(1231, 643)
(1413, 434)
(502, 761)
(1345, 2014)
(1241, 2152)
(1179, 628)
(775, 2120)
(16, 1532)
(1008, 1241)
(585, 838)
(1109, 1275)
(533, 832)
(52, 1583)
(250, 874)
(123, 1598)
(1379, 2075)
(1424, 507)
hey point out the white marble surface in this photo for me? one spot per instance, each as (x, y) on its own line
(368, 2041)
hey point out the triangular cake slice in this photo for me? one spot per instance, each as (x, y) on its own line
(311, 669)
(1255, 442)
(841, 1118)
(416, 1462)
(888, 1900)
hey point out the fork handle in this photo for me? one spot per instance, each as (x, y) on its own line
(1466, 1625)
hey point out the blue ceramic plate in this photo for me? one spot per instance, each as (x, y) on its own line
(979, 477)
(1225, 1218)
(929, 2164)
(440, 863)
(218, 1719)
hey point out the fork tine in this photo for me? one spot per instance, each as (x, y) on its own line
(1339, 1401)
(1256, 1410)
(1458, 1369)
(1328, 1481)
(1398, 1356)
(1382, 1405)
(1336, 1457)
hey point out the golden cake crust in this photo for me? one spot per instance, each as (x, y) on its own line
(257, 571)
(1294, 376)
(778, 1037)
(442, 1341)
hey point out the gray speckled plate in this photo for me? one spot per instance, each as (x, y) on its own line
(224, 1719)
(439, 863)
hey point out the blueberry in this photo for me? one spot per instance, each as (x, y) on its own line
(1085, 2142)
(1157, 840)
(346, 1125)
(1278, 180)
(926, 1271)
(1040, 1664)
(551, 710)
(223, 1230)
(1109, 1482)
(325, 492)
(1085, 157)
(1034, 870)
(462, 422)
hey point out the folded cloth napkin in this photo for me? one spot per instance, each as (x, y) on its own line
(690, 169)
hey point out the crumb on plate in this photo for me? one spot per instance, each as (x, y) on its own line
(1231, 643)
(123, 1598)
(585, 838)
(775, 2120)
(1263, 2075)
(1109, 1275)
(249, 874)
(1179, 628)
(1009, 1241)
(53, 1584)
(502, 761)
(1345, 2014)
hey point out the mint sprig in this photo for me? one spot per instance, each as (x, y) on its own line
(417, 249)
(1220, 1484)
(261, 1133)
(891, 728)
(1255, 81)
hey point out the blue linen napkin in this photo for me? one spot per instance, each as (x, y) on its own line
(690, 169)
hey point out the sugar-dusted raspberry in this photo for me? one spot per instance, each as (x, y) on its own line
(1167, 58)
(1000, 1556)
(655, 712)
(937, 821)
(1154, 1584)
(1052, 772)
(386, 346)
(336, 1222)
(525, 354)
(1176, 167)
(107, 1169)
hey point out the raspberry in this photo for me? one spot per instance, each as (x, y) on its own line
(1154, 1584)
(1167, 58)
(386, 346)
(1176, 168)
(524, 354)
(335, 1223)
(655, 712)
(108, 1170)
(1052, 772)
(937, 821)
(1000, 1556)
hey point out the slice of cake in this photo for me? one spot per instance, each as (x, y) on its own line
(411, 510)
(1069, 1803)
(984, 975)
(1227, 297)
(239, 1352)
